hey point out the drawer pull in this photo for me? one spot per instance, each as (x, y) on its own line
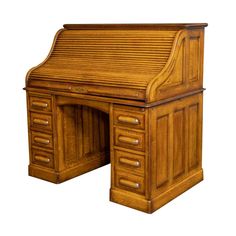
(40, 121)
(129, 183)
(129, 120)
(126, 161)
(41, 140)
(42, 158)
(40, 104)
(128, 140)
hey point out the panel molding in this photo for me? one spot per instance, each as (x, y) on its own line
(179, 142)
(193, 132)
(162, 154)
(175, 142)
(194, 58)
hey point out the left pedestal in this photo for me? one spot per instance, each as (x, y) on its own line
(65, 141)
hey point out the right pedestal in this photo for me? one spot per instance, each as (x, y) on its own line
(156, 152)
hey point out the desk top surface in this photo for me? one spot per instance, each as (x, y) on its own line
(134, 26)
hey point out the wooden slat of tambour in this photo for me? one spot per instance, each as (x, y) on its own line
(108, 55)
(103, 63)
(98, 67)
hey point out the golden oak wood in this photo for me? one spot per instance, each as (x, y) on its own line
(129, 94)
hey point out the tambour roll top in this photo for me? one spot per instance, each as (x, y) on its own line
(136, 62)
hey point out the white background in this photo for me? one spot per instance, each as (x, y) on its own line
(81, 206)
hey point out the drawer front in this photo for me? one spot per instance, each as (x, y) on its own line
(129, 162)
(129, 139)
(40, 104)
(41, 121)
(42, 158)
(101, 90)
(130, 119)
(129, 182)
(41, 139)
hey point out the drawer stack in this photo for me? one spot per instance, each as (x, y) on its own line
(41, 130)
(129, 149)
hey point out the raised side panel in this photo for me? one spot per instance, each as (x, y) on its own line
(175, 142)
(177, 75)
(69, 127)
(179, 142)
(193, 158)
(162, 150)
(183, 72)
(194, 58)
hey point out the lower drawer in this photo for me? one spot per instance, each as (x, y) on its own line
(129, 182)
(41, 139)
(129, 161)
(42, 158)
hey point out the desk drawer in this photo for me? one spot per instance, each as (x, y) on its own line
(129, 182)
(40, 104)
(129, 139)
(41, 139)
(41, 121)
(130, 119)
(42, 158)
(129, 162)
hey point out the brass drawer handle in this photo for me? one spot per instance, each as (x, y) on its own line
(42, 158)
(40, 121)
(134, 163)
(129, 183)
(41, 140)
(128, 140)
(39, 104)
(128, 120)
(78, 89)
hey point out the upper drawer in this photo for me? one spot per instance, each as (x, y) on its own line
(94, 88)
(41, 121)
(40, 103)
(130, 119)
(129, 139)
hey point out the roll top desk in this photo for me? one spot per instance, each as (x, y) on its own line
(129, 95)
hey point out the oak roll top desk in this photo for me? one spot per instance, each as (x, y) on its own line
(125, 94)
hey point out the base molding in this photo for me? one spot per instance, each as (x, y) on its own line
(130, 200)
(149, 206)
(69, 173)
